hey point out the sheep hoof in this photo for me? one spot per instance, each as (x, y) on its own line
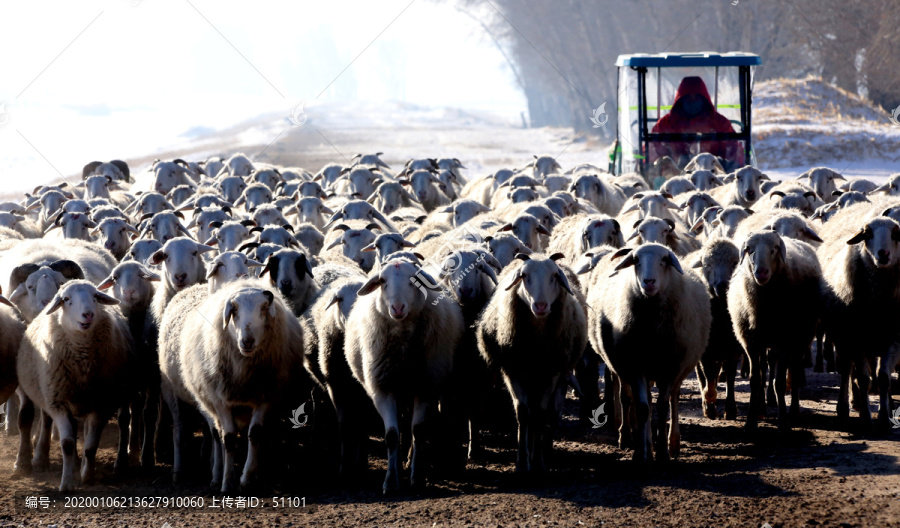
(39, 465)
(66, 487)
(22, 470)
(731, 412)
(215, 484)
(710, 411)
(843, 412)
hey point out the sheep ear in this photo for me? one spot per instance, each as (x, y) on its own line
(863, 234)
(107, 283)
(672, 260)
(203, 248)
(4, 300)
(556, 256)
(370, 247)
(373, 284)
(271, 267)
(227, 313)
(19, 292)
(157, 258)
(507, 227)
(697, 264)
(270, 298)
(627, 262)
(54, 304)
(213, 270)
(518, 278)
(810, 234)
(149, 275)
(563, 281)
(103, 298)
(782, 250)
(302, 267)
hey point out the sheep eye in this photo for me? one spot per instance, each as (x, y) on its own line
(194, 253)
(66, 299)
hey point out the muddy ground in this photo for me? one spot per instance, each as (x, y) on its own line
(818, 475)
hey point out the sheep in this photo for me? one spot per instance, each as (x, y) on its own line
(142, 250)
(310, 190)
(631, 183)
(50, 204)
(229, 235)
(424, 186)
(452, 165)
(533, 330)
(268, 214)
(545, 165)
(362, 181)
(729, 219)
(527, 229)
(204, 217)
(661, 170)
(73, 226)
(77, 362)
(360, 210)
(353, 237)
(116, 170)
(651, 203)
(678, 185)
(891, 187)
(114, 235)
(716, 262)
(246, 357)
(505, 247)
(167, 175)
(695, 204)
(862, 304)
(792, 195)
(231, 187)
(324, 328)
(21, 225)
(601, 193)
(99, 187)
(310, 238)
(254, 195)
(291, 273)
(180, 195)
(239, 165)
(204, 200)
(579, 233)
(860, 185)
(774, 301)
(370, 160)
(12, 329)
(786, 224)
(34, 285)
(665, 232)
(227, 267)
(743, 187)
(449, 182)
(387, 243)
(329, 174)
(132, 285)
(271, 178)
(163, 226)
(705, 180)
(400, 344)
(312, 210)
(99, 214)
(822, 181)
(651, 325)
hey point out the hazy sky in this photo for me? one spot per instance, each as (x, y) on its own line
(88, 80)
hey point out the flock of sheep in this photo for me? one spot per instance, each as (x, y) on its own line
(221, 292)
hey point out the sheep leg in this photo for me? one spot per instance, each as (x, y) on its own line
(523, 418)
(68, 429)
(350, 432)
(662, 416)
(643, 445)
(611, 394)
(843, 404)
(93, 429)
(12, 412)
(624, 410)
(864, 380)
(797, 373)
(25, 419)
(123, 420)
(151, 424)
(254, 440)
(771, 396)
(757, 403)
(587, 372)
(708, 374)
(779, 376)
(386, 405)
(216, 468)
(820, 348)
(136, 430)
(730, 368)
(174, 406)
(886, 365)
(674, 427)
(417, 471)
(229, 432)
(41, 460)
(829, 354)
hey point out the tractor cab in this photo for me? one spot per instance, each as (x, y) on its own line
(681, 104)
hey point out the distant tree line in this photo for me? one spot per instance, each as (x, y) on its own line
(563, 52)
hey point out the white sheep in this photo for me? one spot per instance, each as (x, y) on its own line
(533, 331)
(76, 360)
(400, 344)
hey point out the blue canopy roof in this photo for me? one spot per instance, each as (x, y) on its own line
(702, 58)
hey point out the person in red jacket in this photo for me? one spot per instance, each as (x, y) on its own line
(693, 112)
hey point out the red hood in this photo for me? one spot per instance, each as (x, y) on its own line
(692, 86)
